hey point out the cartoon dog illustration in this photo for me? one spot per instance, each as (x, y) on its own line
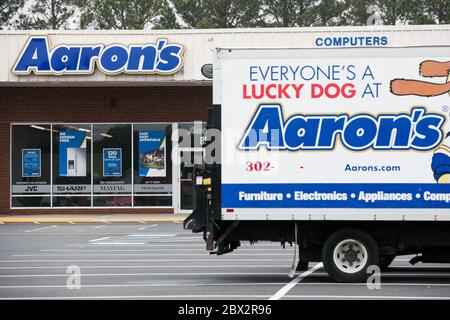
(440, 163)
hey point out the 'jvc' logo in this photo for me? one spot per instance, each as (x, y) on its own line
(31, 189)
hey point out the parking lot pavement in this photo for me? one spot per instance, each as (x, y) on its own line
(160, 260)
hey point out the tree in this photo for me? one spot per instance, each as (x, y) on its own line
(47, 14)
(125, 14)
(432, 11)
(170, 14)
(168, 19)
(7, 9)
(359, 12)
(390, 12)
(219, 13)
(289, 13)
(330, 13)
(394, 11)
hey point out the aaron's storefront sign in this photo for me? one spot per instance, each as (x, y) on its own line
(161, 57)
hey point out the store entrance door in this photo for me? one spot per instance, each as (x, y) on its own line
(184, 203)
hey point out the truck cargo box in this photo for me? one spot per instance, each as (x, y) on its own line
(342, 133)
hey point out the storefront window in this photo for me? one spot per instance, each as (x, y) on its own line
(71, 164)
(71, 201)
(152, 164)
(91, 165)
(153, 201)
(112, 170)
(30, 156)
(112, 201)
(30, 202)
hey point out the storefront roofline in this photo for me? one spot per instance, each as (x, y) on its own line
(185, 83)
(235, 30)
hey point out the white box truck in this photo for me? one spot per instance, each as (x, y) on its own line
(342, 149)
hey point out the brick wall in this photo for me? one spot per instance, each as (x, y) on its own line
(93, 104)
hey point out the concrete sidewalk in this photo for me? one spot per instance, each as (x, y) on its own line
(82, 218)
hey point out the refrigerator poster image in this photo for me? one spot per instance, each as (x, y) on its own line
(72, 153)
(31, 163)
(152, 154)
(112, 162)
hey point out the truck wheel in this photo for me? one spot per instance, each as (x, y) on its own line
(385, 261)
(348, 253)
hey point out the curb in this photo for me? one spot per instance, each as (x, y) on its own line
(85, 220)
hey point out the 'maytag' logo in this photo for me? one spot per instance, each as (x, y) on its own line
(159, 58)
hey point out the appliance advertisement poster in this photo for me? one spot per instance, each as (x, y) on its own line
(72, 153)
(31, 162)
(152, 154)
(112, 162)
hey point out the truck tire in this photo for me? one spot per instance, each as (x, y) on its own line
(347, 254)
(385, 261)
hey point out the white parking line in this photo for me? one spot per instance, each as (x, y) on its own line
(121, 243)
(433, 266)
(162, 243)
(171, 284)
(99, 239)
(48, 232)
(170, 243)
(390, 284)
(408, 274)
(290, 285)
(402, 260)
(186, 240)
(151, 266)
(38, 229)
(196, 245)
(387, 297)
(150, 242)
(160, 248)
(151, 285)
(211, 260)
(230, 296)
(145, 274)
(152, 235)
(141, 254)
(227, 297)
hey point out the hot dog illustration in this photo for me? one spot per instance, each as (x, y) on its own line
(441, 158)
